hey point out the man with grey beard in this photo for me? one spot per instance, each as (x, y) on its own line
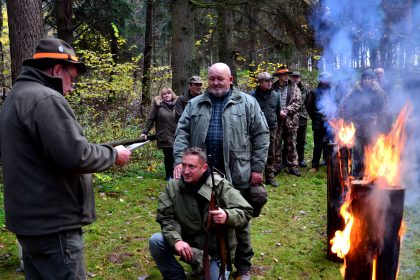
(231, 127)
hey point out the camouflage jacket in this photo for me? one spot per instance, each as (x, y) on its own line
(293, 104)
(304, 92)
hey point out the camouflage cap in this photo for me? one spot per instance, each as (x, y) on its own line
(195, 80)
(264, 76)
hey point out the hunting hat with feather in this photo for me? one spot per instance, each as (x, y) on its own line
(51, 51)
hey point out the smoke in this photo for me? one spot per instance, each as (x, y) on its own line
(356, 35)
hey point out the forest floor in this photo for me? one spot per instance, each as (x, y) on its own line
(289, 238)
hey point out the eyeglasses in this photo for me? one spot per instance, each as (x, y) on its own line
(74, 79)
(197, 84)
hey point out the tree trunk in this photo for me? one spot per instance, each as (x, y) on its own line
(183, 53)
(225, 26)
(2, 78)
(25, 30)
(252, 14)
(63, 16)
(147, 53)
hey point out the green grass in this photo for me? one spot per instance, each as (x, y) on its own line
(289, 238)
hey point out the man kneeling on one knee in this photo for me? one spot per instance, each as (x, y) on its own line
(183, 212)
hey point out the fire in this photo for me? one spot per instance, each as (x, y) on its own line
(344, 132)
(383, 158)
(341, 241)
(374, 267)
(403, 228)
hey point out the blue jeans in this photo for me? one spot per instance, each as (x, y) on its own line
(54, 256)
(169, 267)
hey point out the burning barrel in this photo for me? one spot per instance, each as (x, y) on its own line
(375, 235)
(337, 174)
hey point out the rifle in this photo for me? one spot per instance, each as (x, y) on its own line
(130, 141)
(221, 244)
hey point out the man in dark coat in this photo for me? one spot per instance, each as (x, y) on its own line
(48, 194)
(194, 89)
(366, 107)
(316, 112)
(268, 100)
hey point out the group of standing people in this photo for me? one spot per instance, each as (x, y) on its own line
(218, 145)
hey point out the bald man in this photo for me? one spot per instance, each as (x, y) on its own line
(231, 127)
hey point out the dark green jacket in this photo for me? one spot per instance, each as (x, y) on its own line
(46, 159)
(180, 217)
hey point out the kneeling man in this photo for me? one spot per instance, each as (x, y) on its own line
(183, 212)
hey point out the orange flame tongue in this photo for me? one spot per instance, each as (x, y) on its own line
(383, 158)
(344, 132)
(341, 241)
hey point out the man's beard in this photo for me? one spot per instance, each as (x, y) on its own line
(218, 92)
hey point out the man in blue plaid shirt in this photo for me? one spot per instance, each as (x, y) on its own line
(231, 127)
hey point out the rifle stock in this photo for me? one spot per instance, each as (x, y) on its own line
(220, 238)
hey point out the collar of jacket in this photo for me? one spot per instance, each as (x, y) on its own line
(261, 92)
(206, 187)
(277, 85)
(32, 74)
(375, 87)
(158, 99)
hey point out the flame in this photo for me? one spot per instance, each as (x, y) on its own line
(374, 267)
(341, 240)
(344, 132)
(403, 228)
(383, 158)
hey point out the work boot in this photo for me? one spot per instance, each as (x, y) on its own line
(313, 169)
(272, 182)
(294, 171)
(302, 163)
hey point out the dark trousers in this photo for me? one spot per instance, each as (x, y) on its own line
(244, 251)
(269, 166)
(301, 140)
(358, 155)
(168, 155)
(320, 141)
(54, 256)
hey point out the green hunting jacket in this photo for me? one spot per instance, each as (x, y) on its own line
(245, 134)
(180, 217)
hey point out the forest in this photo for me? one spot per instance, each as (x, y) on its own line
(134, 48)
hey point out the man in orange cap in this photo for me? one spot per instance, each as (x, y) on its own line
(47, 161)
